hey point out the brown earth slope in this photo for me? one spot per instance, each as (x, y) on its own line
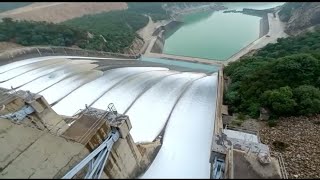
(61, 11)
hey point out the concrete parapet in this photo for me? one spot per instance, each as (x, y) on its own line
(43, 116)
(38, 51)
(218, 116)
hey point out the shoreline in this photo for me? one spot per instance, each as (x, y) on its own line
(276, 30)
(149, 32)
(271, 28)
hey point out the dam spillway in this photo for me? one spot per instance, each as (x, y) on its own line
(157, 99)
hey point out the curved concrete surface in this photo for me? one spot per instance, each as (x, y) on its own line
(61, 89)
(151, 96)
(161, 99)
(185, 152)
(91, 91)
(134, 87)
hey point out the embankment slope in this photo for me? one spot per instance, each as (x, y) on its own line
(61, 11)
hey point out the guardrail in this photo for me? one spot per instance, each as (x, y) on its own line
(96, 159)
(283, 171)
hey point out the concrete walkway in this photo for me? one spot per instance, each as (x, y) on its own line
(276, 30)
(185, 58)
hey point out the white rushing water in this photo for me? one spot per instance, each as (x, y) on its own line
(56, 76)
(124, 94)
(185, 152)
(91, 91)
(29, 67)
(60, 90)
(17, 64)
(156, 99)
(32, 75)
(160, 98)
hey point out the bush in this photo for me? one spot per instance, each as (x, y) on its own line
(241, 117)
(280, 100)
(272, 123)
(308, 99)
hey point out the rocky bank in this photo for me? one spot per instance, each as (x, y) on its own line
(300, 16)
(300, 147)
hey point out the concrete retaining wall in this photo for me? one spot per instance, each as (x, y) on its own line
(218, 119)
(160, 32)
(264, 26)
(158, 44)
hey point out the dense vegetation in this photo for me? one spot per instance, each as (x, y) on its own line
(6, 6)
(118, 28)
(112, 31)
(30, 33)
(282, 77)
(109, 31)
(154, 9)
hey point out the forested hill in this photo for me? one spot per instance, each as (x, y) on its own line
(282, 77)
(109, 31)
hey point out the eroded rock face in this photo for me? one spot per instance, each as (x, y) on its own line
(304, 16)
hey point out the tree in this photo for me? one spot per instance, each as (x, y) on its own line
(280, 101)
(308, 99)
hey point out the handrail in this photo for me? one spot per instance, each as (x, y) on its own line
(96, 164)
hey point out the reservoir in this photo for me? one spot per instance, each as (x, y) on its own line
(215, 35)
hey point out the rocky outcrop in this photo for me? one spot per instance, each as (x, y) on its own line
(300, 16)
(135, 47)
(297, 139)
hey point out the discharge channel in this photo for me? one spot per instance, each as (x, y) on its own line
(124, 94)
(88, 93)
(159, 100)
(185, 152)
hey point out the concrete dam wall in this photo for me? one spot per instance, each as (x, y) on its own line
(158, 100)
(160, 32)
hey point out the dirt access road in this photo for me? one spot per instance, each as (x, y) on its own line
(61, 11)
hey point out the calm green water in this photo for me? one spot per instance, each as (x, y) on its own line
(215, 35)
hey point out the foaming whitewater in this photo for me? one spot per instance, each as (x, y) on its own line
(17, 64)
(61, 89)
(182, 105)
(124, 94)
(29, 67)
(56, 76)
(32, 75)
(186, 148)
(91, 91)
(150, 112)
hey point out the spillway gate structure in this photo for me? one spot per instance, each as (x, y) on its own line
(66, 142)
